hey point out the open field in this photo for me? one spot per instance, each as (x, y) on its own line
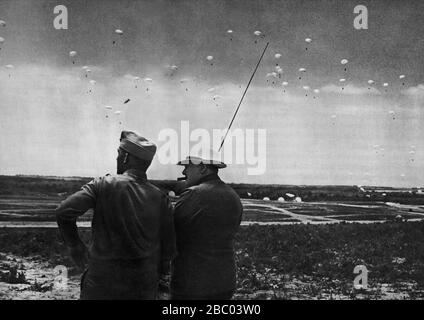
(274, 262)
(284, 250)
(15, 211)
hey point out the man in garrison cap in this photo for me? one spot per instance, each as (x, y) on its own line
(133, 236)
(207, 216)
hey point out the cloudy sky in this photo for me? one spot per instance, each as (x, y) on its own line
(54, 121)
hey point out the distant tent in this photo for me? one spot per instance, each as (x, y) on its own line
(281, 199)
(298, 199)
(266, 199)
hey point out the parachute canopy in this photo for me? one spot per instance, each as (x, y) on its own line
(257, 33)
(308, 40)
(209, 58)
(2, 23)
(302, 69)
(344, 61)
(119, 31)
(277, 56)
(72, 53)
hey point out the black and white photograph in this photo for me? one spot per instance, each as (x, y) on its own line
(228, 150)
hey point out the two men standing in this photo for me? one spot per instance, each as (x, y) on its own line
(134, 235)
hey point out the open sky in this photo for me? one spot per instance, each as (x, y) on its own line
(53, 121)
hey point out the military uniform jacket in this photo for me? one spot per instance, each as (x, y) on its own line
(132, 218)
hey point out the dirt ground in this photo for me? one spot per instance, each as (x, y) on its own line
(43, 282)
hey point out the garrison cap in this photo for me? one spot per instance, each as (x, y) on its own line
(137, 145)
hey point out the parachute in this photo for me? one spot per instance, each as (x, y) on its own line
(257, 33)
(277, 56)
(316, 90)
(118, 31)
(2, 23)
(385, 84)
(93, 82)
(118, 112)
(342, 80)
(402, 76)
(308, 40)
(370, 81)
(344, 61)
(209, 58)
(306, 87)
(229, 31)
(72, 53)
(9, 66)
(1, 40)
(302, 69)
(271, 74)
(285, 83)
(109, 107)
(148, 79)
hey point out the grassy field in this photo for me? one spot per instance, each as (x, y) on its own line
(276, 262)
(298, 261)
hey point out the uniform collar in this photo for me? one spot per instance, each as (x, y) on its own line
(138, 174)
